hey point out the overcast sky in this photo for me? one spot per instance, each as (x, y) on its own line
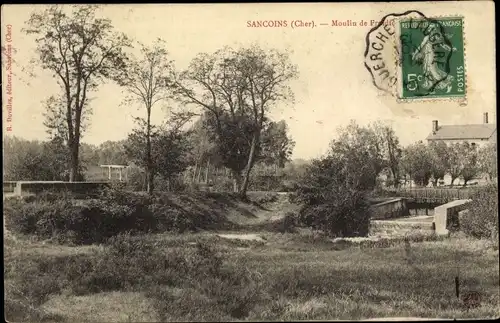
(334, 85)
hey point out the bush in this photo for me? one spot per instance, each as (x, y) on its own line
(66, 220)
(332, 202)
(481, 220)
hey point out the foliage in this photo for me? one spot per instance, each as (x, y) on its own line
(81, 51)
(330, 201)
(438, 153)
(469, 167)
(358, 153)
(487, 160)
(333, 189)
(390, 149)
(481, 220)
(277, 145)
(111, 153)
(147, 83)
(416, 162)
(454, 157)
(90, 221)
(167, 158)
(237, 88)
(35, 160)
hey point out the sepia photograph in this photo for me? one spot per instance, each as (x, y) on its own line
(250, 162)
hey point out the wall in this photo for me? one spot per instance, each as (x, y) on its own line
(447, 215)
(35, 187)
(478, 142)
(9, 186)
(394, 208)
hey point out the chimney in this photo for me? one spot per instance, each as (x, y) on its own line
(485, 117)
(434, 126)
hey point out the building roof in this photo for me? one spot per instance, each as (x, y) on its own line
(462, 132)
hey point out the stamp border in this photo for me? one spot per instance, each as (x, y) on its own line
(462, 100)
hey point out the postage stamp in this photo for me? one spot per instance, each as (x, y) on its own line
(411, 56)
(432, 58)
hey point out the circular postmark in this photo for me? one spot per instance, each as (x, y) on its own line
(411, 56)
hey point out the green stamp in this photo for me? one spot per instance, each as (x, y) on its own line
(432, 58)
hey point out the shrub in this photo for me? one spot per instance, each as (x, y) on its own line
(67, 220)
(333, 197)
(347, 214)
(481, 221)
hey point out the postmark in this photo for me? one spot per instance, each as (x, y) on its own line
(413, 57)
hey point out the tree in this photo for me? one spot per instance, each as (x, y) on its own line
(469, 166)
(454, 165)
(360, 151)
(439, 158)
(238, 88)
(487, 160)
(390, 149)
(147, 83)
(416, 162)
(277, 145)
(331, 201)
(169, 147)
(33, 160)
(204, 150)
(112, 152)
(81, 51)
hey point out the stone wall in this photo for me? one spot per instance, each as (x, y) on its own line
(35, 187)
(446, 216)
(393, 208)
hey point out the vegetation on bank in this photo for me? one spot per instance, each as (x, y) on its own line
(481, 219)
(289, 277)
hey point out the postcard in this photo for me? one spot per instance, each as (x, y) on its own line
(272, 161)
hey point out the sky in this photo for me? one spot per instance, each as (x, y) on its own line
(333, 87)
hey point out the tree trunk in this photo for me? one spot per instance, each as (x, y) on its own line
(395, 177)
(150, 181)
(198, 177)
(73, 172)
(193, 179)
(248, 169)
(149, 162)
(452, 180)
(206, 171)
(236, 181)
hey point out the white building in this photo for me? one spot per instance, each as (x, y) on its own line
(476, 134)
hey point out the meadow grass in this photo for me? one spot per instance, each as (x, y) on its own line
(290, 276)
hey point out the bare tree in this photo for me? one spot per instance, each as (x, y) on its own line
(148, 81)
(238, 88)
(81, 51)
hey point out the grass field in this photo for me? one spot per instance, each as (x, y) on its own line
(298, 276)
(262, 275)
